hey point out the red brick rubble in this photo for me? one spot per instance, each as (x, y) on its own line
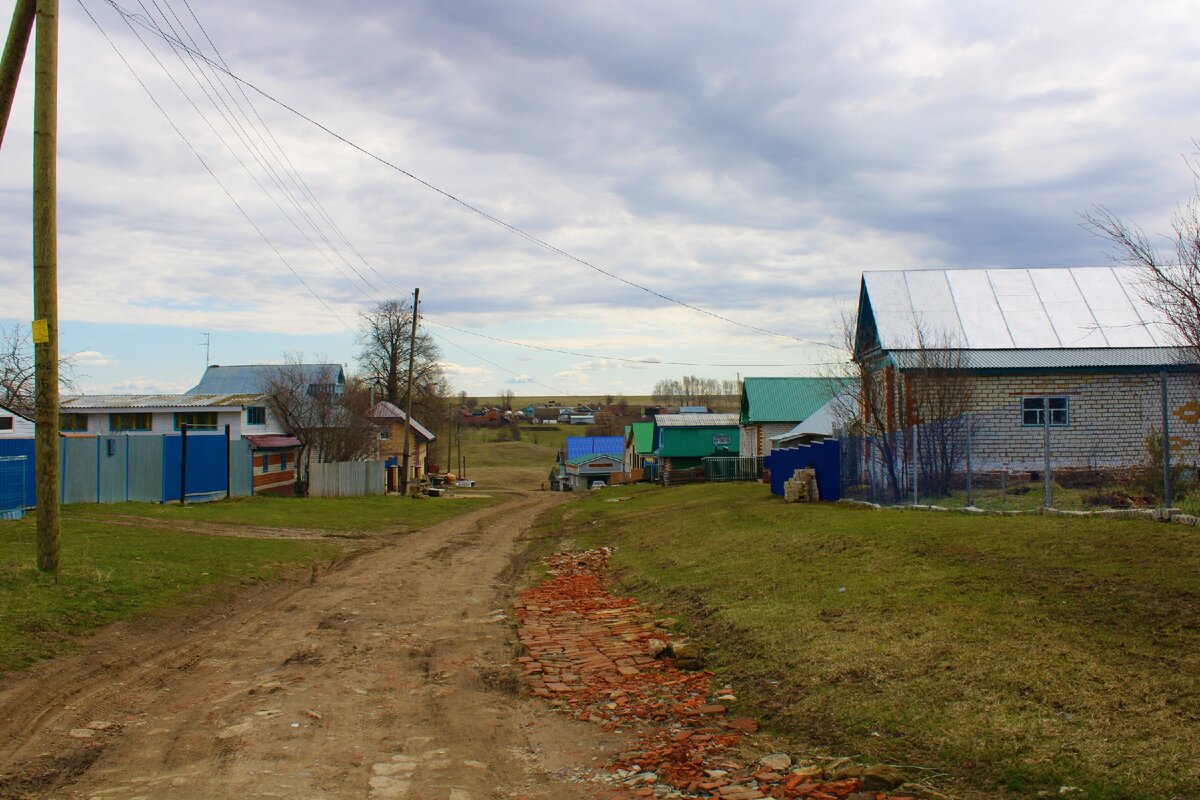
(587, 652)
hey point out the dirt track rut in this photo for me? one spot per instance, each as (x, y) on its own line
(390, 677)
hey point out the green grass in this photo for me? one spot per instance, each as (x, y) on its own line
(112, 572)
(350, 514)
(497, 463)
(1015, 654)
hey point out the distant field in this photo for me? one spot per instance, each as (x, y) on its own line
(1002, 656)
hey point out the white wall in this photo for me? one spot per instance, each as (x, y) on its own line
(163, 421)
(21, 427)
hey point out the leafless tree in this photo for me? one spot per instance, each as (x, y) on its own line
(332, 426)
(506, 399)
(17, 370)
(692, 390)
(929, 391)
(385, 341)
(1172, 284)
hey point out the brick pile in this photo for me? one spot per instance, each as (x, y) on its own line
(802, 487)
(587, 653)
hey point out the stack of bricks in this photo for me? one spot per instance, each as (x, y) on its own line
(802, 488)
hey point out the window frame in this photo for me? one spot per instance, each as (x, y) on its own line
(116, 422)
(1059, 408)
(74, 425)
(256, 415)
(8, 423)
(193, 426)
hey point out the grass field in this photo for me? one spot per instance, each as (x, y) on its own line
(1009, 655)
(497, 463)
(129, 559)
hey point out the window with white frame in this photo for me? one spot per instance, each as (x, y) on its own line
(1033, 411)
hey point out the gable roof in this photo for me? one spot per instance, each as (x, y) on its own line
(385, 411)
(252, 378)
(586, 458)
(786, 399)
(1009, 309)
(586, 445)
(643, 436)
(15, 413)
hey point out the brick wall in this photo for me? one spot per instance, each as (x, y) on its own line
(1110, 416)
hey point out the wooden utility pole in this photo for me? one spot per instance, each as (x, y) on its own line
(14, 57)
(45, 280)
(412, 353)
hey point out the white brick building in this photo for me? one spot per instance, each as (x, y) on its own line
(1080, 341)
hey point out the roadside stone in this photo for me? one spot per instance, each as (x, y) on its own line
(688, 655)
(848, 772)
(809, 772)
(833, 766)
(657, 648)
(776, 762)
(881, 777)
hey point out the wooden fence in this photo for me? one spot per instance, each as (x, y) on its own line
(347, 479)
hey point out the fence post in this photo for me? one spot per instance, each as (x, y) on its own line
(183, 463)
(969, 503)
(1166, 443)
(1046, 451)
(914, 462)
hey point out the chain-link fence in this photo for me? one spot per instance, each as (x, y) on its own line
(961, 462)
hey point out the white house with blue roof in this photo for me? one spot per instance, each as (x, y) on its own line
(1079, 344)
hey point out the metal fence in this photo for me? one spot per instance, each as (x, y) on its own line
(347, 479)
(732, 468)
(114, 469)
(941, 463)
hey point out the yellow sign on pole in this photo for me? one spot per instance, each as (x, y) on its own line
(41, 331)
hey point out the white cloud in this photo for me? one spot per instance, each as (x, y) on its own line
(92, 358)
(137, 385)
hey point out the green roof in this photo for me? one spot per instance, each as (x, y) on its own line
(586, 457)
(643, 436)
(786, 399)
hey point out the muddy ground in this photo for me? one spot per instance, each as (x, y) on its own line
(390, 676)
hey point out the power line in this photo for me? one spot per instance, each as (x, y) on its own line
(519, 232)
(209, 169)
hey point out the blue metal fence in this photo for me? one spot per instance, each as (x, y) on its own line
(113, 469)
(822, 456)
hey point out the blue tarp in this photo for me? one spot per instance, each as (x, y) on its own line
(823, 456)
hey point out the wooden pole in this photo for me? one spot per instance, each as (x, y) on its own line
(412, 353)
(45, 281)
(14, 56)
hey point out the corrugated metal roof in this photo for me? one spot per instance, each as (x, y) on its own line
(786, 399)
(1077, 358)
(386, 410)
(246, 378)
(588, 445)
(586, 457)
(1015, 309)
(102, 401)
(271, 441)
(695, 420)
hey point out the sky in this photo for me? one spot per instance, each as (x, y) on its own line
(742, 164)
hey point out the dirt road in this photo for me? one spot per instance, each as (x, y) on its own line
(389, 677)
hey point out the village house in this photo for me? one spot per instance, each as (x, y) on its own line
(786, 410)
(256, 378)
(391, 419)
(14, 425)
(681, 441)
(639, 447)
(586, 459)
(1077, 344)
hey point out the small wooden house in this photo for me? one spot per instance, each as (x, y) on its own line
(390, 420)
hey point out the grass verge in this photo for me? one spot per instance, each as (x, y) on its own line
(387, 514)
(1016, 654)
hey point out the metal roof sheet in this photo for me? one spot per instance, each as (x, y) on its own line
(589, 445)
(1015, 309)
(584, 458)
(244, 378)
(643, 436)
(99, 402)
(695, 420)
(272, 441)
(786, 399)
(1043, 358)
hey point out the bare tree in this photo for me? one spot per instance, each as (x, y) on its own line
(927, 392)
(385, 341)
(331, 426)
(1172, 284)
(506, 399)
(17, 370)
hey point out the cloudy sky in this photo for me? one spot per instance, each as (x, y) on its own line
(747, 159)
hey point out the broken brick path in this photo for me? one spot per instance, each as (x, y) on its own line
(587, 652)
